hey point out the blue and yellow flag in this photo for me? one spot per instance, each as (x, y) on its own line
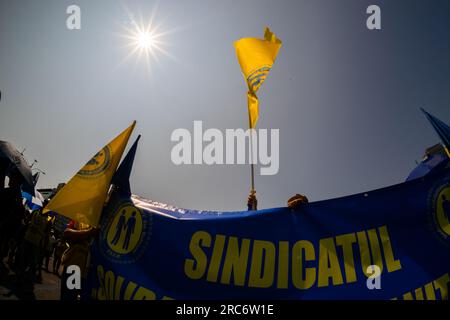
(256, 57)
(83, 197)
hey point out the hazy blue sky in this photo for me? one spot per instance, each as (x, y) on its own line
(346, 99)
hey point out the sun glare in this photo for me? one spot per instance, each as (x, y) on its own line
(145, 39)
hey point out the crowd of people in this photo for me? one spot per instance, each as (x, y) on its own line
(30, 242)
(28, 239)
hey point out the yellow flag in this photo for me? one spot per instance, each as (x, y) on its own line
(256, 57)
(82, 198)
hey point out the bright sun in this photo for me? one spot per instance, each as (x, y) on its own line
(145, 40)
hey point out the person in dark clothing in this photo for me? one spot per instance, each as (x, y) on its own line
(12, 213)
(60, 247)
(47, 248)
(14, 259)
(33, 244)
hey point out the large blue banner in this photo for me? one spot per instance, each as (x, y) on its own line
(148, 250)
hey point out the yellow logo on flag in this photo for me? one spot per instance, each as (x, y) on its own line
(98, 164)
(82, 199)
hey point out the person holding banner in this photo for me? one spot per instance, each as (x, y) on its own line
(294, 203)
(79, 237)
(252, 202)
(297, 201)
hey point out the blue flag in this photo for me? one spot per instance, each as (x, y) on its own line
(441, 128)
(121, 178)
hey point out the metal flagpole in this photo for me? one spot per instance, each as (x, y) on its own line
(252, 167)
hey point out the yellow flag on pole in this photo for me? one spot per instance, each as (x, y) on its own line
(256, 57)
(83, 197)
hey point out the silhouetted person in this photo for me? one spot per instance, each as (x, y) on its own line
(131, 224)
(119, 228)
(48, 248)
(60, 247)
(12, 212)
(446, 206)
(33, 242)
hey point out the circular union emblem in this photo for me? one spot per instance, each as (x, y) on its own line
(98, 164)
(127, 233)
(257, 77)
(440, 209)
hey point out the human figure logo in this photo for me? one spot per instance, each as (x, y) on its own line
(125, 230)
(127, 233)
